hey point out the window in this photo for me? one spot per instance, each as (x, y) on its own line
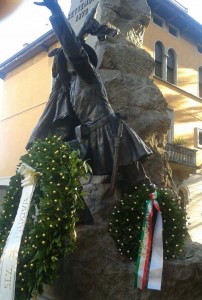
(165, 64)
(173, 30)
(171, 66)
(158, 21)
(197, 138)
(200, 82)
(159, 60)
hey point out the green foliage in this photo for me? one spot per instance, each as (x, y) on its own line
(179, 141)
(50, 228)
(125, 223)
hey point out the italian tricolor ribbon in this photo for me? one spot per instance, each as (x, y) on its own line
(150, 257)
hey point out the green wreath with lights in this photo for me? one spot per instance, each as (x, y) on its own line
(49, 233)
(125, 223)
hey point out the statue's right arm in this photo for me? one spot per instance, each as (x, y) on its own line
(71, 45)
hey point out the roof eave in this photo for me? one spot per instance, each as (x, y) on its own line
(184, 20)
(43, 43)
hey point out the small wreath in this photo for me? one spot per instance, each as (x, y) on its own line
(125, 223)
(49, 232)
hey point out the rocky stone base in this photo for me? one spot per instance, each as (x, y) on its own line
(96, 270)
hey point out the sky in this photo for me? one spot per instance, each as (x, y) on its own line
(29, 22)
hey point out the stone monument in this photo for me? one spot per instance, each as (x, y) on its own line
(126, 69)
(96, 271)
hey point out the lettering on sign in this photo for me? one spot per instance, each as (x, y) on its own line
(78, 11)
(8, 261)
(8, 278)
(22, 217)
(12, 254)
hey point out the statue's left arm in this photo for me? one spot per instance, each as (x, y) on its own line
(71, 45)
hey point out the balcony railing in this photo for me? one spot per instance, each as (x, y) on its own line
(181, 155)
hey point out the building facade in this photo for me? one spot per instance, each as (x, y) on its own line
(174, 40)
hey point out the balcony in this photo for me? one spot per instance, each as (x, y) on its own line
(182, 158)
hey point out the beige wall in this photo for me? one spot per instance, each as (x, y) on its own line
(187, 113)
(26, 86)
(187, 106)
(25, 91)
(182, 98)
(188, 58)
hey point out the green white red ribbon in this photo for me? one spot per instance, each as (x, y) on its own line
(149, 272)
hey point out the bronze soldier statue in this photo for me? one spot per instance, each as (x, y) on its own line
(79, 101)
